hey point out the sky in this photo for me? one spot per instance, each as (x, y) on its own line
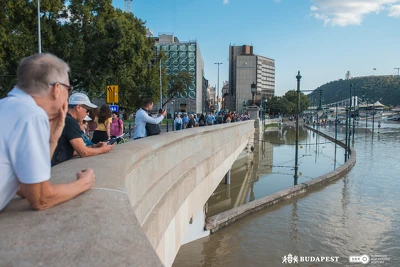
(323, 39)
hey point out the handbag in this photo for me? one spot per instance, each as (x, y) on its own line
(152, 129)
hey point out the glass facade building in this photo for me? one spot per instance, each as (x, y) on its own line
(184, 56)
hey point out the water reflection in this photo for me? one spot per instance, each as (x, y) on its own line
(270, 167)
(358, 214)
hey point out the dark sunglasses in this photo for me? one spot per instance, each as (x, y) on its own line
(70, 88)
(86, 107)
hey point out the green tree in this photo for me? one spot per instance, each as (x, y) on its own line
(19, 34)
(291, 96)
(277, 104)
(178, 84)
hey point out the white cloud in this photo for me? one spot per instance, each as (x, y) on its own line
(351, 12)
(394, 11)
(226, 2)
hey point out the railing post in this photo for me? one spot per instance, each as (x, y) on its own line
(228, 177)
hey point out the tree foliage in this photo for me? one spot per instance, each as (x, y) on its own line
(102, 45)
(178, 83)
(287, 104)
(386, 88)
(291, 96)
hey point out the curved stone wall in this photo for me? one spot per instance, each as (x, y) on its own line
(223, 219)
(146, 192)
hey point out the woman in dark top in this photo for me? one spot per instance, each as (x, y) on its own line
(202, 120)
(192, 122)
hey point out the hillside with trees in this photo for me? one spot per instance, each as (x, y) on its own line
(386, 89)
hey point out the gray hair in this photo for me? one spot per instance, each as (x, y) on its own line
(36, 72)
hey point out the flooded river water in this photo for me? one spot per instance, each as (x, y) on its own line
(358, 214)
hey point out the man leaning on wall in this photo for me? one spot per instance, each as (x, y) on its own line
(34, 112)
(71, 140)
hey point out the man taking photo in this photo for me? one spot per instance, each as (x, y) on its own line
(143, 117)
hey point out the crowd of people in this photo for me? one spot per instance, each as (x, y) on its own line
(193, 120)
(49, 125)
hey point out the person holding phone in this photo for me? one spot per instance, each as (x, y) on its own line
(71, 140)
(143, 117)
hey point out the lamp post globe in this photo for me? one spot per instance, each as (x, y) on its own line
(253, 90)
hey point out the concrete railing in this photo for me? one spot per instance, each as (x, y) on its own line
(145, 193)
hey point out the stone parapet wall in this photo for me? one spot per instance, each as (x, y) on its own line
(145, 193)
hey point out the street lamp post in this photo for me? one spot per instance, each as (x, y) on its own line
(350, 104)
(373, 117)
(336, 123)
(354, 113)
(296, 159)
(160, 87)
(366, 114)
(253, 90)
(320, 110)
(265, 109)
(218, 63)
(39, 34)
(345, 147)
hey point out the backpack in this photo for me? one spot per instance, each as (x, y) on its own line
(115, 130)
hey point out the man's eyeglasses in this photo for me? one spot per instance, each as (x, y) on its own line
(86, 107)
(70, 88)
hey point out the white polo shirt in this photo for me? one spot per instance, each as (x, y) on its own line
(24, 144)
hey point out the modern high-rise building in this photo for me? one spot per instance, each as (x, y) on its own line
(246, 68)
(184, 56)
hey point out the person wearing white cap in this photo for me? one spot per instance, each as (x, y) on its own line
(85, 135)
(34, 112)
(71, 138)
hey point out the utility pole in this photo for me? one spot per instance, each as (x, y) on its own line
(160, 87)
(218, 63)
(354, 113)
(39, 35)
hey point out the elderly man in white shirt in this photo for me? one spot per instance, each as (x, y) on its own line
(143, 117)
(39, 105)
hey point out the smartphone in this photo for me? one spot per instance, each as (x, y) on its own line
(112, 141)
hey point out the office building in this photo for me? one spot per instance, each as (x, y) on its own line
(245, 67)
(184, 56)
